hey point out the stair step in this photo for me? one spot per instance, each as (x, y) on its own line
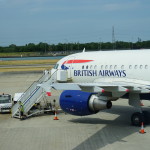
(32, 95)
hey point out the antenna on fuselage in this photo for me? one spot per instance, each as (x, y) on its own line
(83, 50)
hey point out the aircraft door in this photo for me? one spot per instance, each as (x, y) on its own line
(70, 65)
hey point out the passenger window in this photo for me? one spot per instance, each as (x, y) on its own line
(146, 66)
(135, 67)
(122, 67)
(91, 67)
(87, 67)
(95, 67)
(110, 66)
(101, 66)
(115, 67)
(130, 67)
(106, 67)
(82, 67)
(141, 66)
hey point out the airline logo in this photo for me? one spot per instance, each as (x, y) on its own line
(87, 72)
(75, 61)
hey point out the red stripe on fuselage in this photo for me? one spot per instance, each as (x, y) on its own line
(76, 61)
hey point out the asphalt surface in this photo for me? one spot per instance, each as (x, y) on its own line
(108, 129)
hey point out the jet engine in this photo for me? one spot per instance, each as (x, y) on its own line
(81, 103)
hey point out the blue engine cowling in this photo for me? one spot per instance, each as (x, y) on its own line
(81, 103)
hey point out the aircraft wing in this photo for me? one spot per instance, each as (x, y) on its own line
(65, 86)
(104, 86)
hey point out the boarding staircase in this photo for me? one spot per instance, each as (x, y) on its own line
(31, 96)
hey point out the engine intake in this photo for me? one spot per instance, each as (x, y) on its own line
(82, 103)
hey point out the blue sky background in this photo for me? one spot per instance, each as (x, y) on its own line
(63, 21)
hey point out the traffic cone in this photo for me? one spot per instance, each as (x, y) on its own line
(55, 117)
(142, 131)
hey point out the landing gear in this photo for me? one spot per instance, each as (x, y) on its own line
(137, 118)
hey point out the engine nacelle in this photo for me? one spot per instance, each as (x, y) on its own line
(82, 103)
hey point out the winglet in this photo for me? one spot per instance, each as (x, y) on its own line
(84, 50)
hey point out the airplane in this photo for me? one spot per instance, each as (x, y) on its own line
(92, 80)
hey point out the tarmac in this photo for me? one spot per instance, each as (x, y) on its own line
(109, 129)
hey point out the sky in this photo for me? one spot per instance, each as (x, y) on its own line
(66, 21)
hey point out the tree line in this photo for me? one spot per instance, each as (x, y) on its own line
(46, 48)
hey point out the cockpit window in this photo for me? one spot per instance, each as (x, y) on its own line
(56, 66)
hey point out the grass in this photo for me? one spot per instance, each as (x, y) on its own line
(19, 54)
(20, 65)
(24, 69)
(28, 62)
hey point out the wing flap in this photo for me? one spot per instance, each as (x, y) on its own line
(65, 86)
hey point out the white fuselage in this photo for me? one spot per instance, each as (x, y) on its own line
(123, 65)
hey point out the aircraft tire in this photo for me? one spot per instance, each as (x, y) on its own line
(137, 118)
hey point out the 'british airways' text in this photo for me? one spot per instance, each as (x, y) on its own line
(103, 73)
